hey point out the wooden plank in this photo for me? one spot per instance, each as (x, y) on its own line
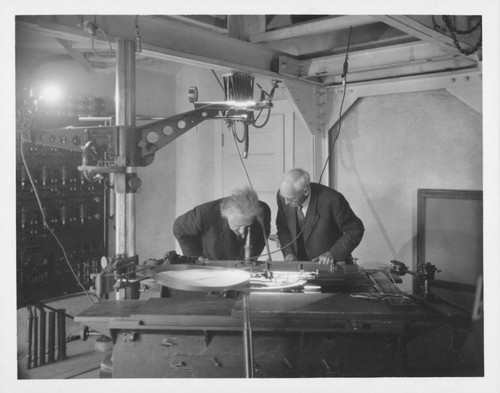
(244, 27)
(326, 306)
(423, 32)
(200, 305)
(76, 55)
(111, 308)
(315, 27)
(97, 316)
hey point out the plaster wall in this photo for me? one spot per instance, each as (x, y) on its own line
(196, 156)
(392, 145)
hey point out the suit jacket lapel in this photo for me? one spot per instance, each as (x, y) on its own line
(291, 217)
(225, 236)
(312, 215)
(231, 246)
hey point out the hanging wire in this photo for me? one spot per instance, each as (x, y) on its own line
(233, 131)
(45, 223)
(232, 128)
(265, 121)
(93, 28)
(344, 83)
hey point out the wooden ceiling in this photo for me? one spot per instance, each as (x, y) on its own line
(310, 48)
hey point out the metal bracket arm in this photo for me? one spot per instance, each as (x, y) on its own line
(141, 142)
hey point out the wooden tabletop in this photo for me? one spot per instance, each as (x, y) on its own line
(271, 311)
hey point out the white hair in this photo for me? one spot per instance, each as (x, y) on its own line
(243, 203)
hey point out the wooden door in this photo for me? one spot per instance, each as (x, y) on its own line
(270, 154)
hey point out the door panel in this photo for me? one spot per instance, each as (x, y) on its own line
(270, 154)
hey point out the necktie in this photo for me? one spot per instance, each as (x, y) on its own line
(300, 216)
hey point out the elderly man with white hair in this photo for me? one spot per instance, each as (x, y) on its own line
(217, 230)
(315, 222)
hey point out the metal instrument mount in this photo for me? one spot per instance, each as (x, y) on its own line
(425, 272)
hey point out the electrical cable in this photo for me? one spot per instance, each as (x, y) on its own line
(265, 121)
(235, 134)
(241, 159)
(94, 29)
(344, 83)
(289, 243)
(232, 129)
(110, 53)
(46, 225)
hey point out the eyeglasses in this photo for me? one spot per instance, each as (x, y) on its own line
(296, 199)
(291, 200)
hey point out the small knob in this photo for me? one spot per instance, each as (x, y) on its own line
(134, 183)
(193, 94)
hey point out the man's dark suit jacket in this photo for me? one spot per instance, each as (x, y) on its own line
(331, 225)
(202, 231)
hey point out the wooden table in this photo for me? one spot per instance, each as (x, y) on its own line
(200, 336)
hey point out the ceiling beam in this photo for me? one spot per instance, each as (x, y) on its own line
(197, 23)
(244, 27)
(314, 27)
(377, 63)
(76, 55)
(380, 63)
(170, 40)
(423, 32)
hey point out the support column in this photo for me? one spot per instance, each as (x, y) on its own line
(125, 116)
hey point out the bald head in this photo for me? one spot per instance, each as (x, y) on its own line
(294, 187)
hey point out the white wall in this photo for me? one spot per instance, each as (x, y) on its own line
(195, 154)
(392, 145)
(155, 200)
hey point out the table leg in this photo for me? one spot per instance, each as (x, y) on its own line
(247, 337)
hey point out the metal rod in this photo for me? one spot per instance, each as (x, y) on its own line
(105, 203)
(35, 339)
(61, 336)
(247, 337)
(131, 223)
(52, 336)
(30, 337)
(112, 199)
(125, 116)
(120, 240)
(43, 336)
(248, 249)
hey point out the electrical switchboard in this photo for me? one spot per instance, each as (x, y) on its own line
(74, 210)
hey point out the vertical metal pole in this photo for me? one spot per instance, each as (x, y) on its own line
(52, 336)
(43, 336)
(61, 334)
(30, 337)
(248, 247)
(125, 116)
(35, 338)
(247, 337)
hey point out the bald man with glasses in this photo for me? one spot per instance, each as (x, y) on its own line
(315, 222)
